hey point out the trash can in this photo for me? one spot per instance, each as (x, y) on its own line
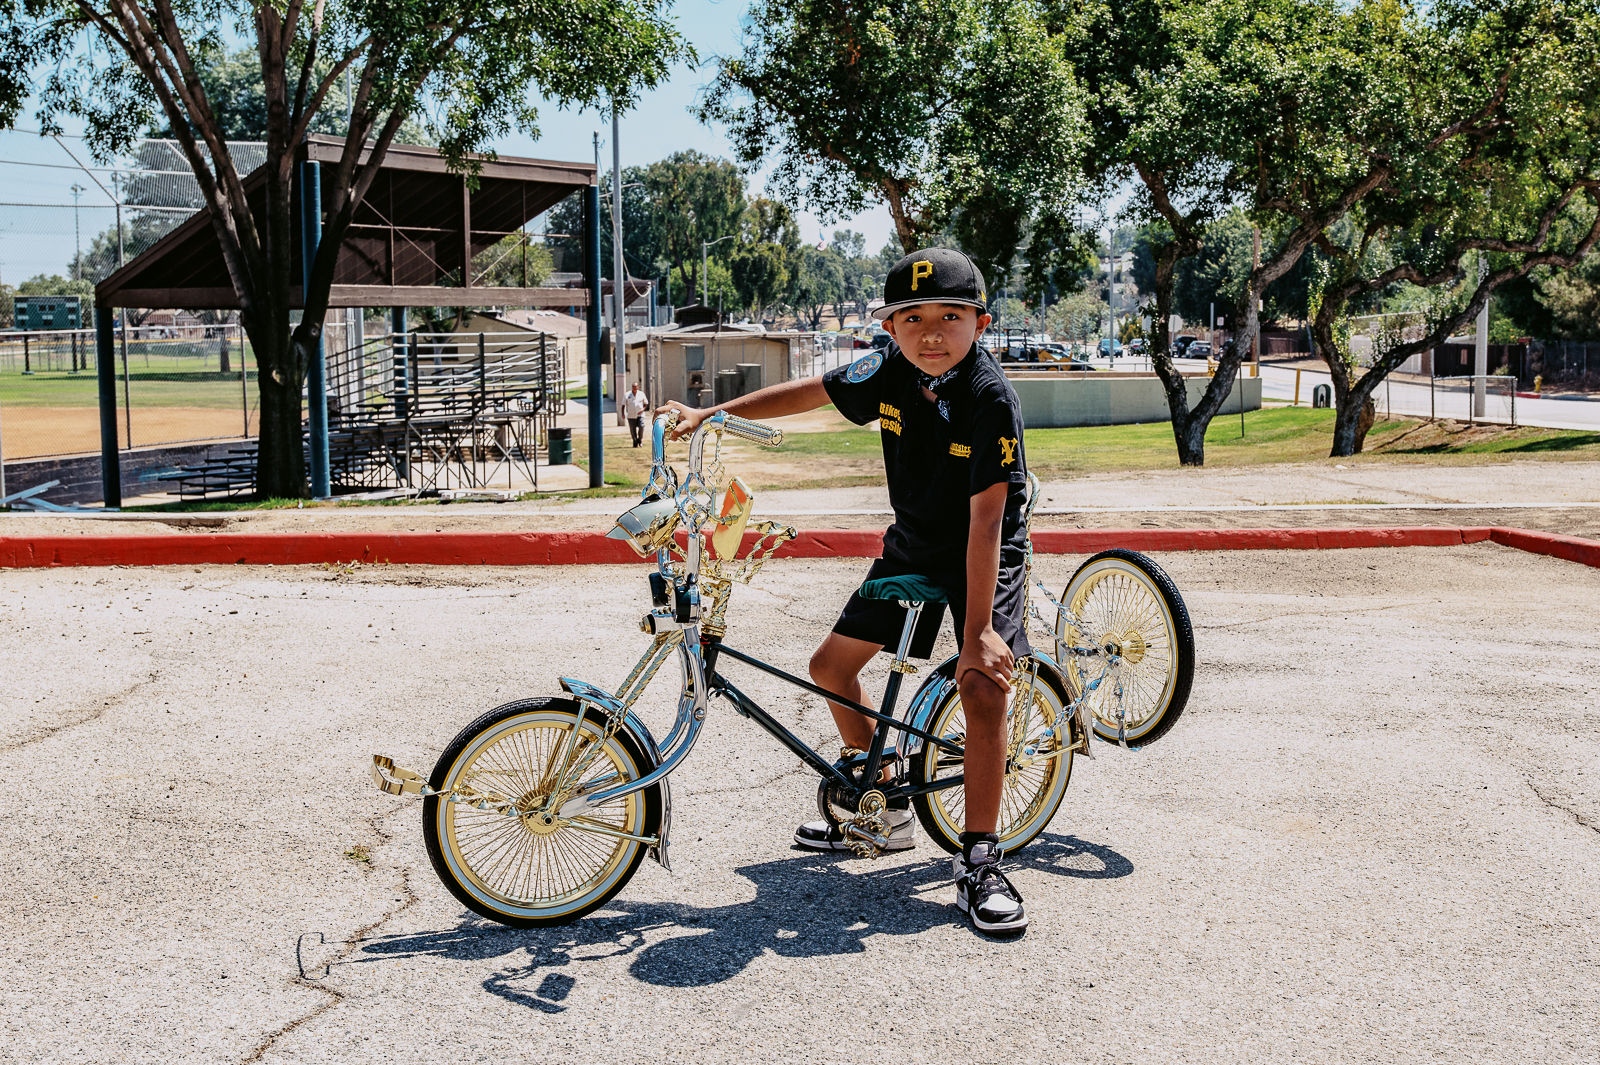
(560, 446)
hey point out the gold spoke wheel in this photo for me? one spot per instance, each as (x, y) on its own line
(1130, 613)
(530, 866)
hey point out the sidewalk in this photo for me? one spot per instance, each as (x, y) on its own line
(1562, 497)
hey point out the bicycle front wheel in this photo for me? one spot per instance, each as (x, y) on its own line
(1038, 767)
(519, 868)
(1123, 604)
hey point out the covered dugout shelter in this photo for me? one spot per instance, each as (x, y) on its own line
(412, 244)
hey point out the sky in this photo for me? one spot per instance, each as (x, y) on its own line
(41, 240)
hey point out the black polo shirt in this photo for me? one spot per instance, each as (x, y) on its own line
(938, 455)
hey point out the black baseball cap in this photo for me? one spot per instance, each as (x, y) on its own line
(936, 275)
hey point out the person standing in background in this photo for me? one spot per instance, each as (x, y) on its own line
(634, 404)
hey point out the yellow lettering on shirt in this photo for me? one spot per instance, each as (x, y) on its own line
(886, 409)
(1008, 451)
(890, 425)
(961, 451)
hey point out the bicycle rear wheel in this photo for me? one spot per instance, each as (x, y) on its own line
(516, 868)
(1038, 767)
(1126, 605)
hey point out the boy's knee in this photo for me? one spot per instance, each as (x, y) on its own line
(981, 697)
(822, 671)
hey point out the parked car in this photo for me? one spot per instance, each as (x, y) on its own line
(1136, 346)
(1181, 342)
(1198, 350)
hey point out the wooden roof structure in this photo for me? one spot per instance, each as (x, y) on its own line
(412, 243)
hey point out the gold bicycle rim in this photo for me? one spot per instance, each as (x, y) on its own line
(1117, 604)
(1028, 793)
(521, 865)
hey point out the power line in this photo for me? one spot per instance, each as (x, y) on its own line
(98, 169)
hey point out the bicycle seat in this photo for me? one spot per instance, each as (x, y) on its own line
(910, 587)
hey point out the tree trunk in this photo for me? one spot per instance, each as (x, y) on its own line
(281, 458)
(1351, 423)
(1354, 408)
(1191, 441)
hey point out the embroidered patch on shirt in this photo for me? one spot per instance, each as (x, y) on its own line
(1008, 451)
(864, 368)
(961, 451)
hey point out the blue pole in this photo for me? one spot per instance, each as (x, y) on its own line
(596, 400)
(317, 372)
(105, 364)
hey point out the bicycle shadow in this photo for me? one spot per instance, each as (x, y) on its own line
(806, 906)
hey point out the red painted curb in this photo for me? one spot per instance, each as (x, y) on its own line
(584, 548)
(1570, 548)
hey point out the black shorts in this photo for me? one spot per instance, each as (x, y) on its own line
(880, 621)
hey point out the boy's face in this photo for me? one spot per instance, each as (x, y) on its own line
(936, 336)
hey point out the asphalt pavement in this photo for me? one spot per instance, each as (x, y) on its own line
(1374, 836)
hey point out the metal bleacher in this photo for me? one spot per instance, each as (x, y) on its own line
(422, 411)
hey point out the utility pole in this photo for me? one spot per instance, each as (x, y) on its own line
(619, 271)
(1111, 293)
(705, 276)
(591, 268)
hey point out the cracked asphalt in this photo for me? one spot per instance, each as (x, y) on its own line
(1374, 836)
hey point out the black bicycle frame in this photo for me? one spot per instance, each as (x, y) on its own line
(885, 722)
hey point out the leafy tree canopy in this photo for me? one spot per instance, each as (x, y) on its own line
(964, 110)
(472, 69)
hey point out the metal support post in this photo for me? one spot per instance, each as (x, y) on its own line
(591, 262)
(1480, 350)
(317, 371)
(106, 372)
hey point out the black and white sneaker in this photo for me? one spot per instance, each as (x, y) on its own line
(983, 892)
(822, 836)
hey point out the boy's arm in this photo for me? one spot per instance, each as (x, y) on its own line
(790, 397)
(981, 647)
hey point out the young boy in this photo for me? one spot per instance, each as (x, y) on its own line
(952, 448)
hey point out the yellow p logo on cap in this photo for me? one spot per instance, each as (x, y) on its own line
(920, 270)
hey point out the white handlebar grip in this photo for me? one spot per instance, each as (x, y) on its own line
(755, 432)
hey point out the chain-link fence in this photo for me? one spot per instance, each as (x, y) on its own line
(1491, 398)
(175, 383)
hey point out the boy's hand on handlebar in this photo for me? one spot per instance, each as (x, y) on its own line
(689, 418)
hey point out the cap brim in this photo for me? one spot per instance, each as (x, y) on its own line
(880, 313)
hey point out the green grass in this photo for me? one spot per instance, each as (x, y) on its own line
(1275, 435)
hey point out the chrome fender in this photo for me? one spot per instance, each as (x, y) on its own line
(943, 680)
(610, 705)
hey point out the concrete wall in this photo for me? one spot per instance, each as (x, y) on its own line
(1061, 400)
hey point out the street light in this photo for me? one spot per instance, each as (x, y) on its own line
(77, 235)
(705, 276)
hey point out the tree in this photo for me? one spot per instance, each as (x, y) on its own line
(766, 252)
(1158, 104)
(922, 107)
(641, 248)
(1078, 316)
(1519, 193)
(818, 280)
(469, 66)
(693, 198)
